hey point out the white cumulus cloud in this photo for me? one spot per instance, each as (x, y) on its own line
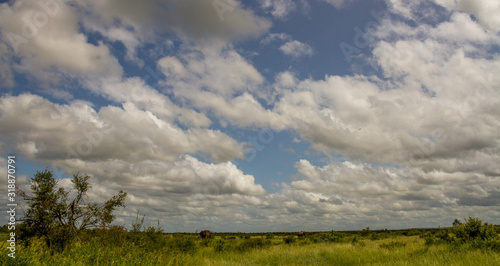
(297, 49)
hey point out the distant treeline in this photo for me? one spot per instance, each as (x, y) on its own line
(404, 232)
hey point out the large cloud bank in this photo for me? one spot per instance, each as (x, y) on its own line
(419, 141)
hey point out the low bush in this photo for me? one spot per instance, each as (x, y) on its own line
(432, 240)
(114, 236)
(366, 231)
(393, 244)
(357, 242)
(220, 246)
(475, 230)
(412, 232)
(252, 243)
(492, 244)
(318, 240)
(473, 233)
(185, 245)
(335, 237)
(290, 239)
(205, 242)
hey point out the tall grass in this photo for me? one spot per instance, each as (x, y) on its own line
(163, 249)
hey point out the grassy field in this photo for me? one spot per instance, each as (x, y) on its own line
(324, 248)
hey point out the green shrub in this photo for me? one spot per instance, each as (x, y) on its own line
(393, 244)
(469, 231)
(473, 230)
(412, 232)
(290, 239)
(318, 240)
(361, 243)
(356, 241)
(205, 242)
(366, 231)
(252, 243)
(186, 245)
(220, 245)
(335, 237)
(432, 240)
(473, 233)
(114, 236)
(443, 235)
(492, 244)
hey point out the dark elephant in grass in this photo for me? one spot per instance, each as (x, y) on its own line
(301, 234)
(206, 234)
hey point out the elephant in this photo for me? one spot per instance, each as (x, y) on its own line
(301, 233)
(206, 234)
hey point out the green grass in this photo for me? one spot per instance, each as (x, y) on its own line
(179, 249)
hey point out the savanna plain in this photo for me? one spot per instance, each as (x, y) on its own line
(469, 243)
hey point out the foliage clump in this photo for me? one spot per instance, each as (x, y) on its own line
(220, 246)
(335, 237)
(318, 240)
(366, 231)
(472, 233)
(186, 245)
(253, 243)
(148, 238)
(290, 239)
(393, 245)
(356, 241)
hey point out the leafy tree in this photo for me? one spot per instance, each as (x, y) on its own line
(456, 222)
(474, 229)
(4, 228)
(52, 214)
(366, 231)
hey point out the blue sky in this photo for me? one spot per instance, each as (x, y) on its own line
(269, 115)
